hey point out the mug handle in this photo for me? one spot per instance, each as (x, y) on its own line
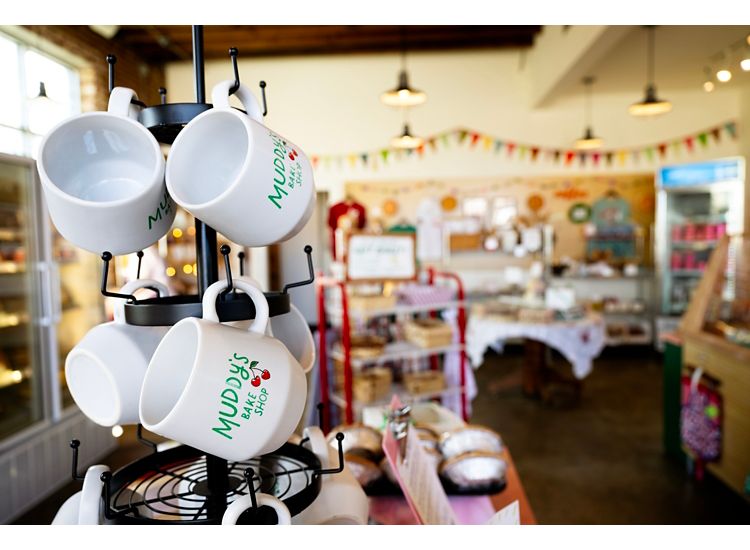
(256, 296)
(220, 99)
(119, 103)
(132, 286)
(318, 444)
(91, 495)
(235, 510)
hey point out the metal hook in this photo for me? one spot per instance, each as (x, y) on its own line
(233, 54)
(340, 468)
(249, 474)
(140, 259)
(263, 95)
(111, 60)
(107, 257)
(74, 444)
(241, 256)
(225, 250)
(311, 278)
(163, 95)
(109, 512)
(143, 440)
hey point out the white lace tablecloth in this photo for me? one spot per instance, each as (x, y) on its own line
(578, 341)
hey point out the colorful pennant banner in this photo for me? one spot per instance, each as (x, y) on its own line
(521, 151)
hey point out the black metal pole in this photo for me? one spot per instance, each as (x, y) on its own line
(205, 236)
(208, 273)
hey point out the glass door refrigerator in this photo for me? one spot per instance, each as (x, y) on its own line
(697, 204)
(49, 298)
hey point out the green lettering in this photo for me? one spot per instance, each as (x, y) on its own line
(227, 427)
(155, 218)
(241, 358)
(277, 196)
(232, 394)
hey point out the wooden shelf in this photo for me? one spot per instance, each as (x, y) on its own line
(398, 351)
(398, 389)
(362, 315)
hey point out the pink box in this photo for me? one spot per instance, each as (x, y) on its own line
(676, 262)
(689, 232)
(689, 261)
(676, 232)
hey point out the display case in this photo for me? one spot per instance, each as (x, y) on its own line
(716, 334)
(696, 205)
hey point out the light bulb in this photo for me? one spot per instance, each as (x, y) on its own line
(708, 86)
(724, 75)
(745, 63)
(117, 431)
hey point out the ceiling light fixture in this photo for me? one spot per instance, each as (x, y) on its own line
(708, 84)
(745, 62)
(407, 140)
(650, 105)
(403, 95)
(588, 141)
(724, 75)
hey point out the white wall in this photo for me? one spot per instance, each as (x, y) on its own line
(330, 105)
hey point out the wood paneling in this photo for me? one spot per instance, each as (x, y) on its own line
(171, 43)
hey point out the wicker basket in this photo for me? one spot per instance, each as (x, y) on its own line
(372, 384)
(428, 381)
(371, 302)
(465, 241)
(428, 333)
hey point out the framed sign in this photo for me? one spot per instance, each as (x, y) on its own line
(386, 257)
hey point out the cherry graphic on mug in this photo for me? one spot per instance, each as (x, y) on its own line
(293, 155)
(265, 375)
(255, 381)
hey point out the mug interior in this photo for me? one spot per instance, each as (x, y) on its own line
(100, 158)
(93, 388)
(169, 372)
(208, 159)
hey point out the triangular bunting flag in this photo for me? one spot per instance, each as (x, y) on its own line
(649, 153)
(662, 150)
(689, 143)
(621, 156)
(595, 157)
(534, 153)
(569, 156)
(676, 147)
(420, 150)
(582, 158)
(384, 153)
(731, 128)
(498, 145)
(474, 138)
(445, 138)
(716, 133)
(609, 156)
(462, 135)
(703, 138)
(636, 155)
(363, 156)
(315, 161)
(327, 162)
(487, 142)
(521, 151)
(352, 160)
(409, 152)
(557, 155)
(510, 146)
(432, 142)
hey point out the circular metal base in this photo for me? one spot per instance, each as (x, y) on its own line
(169, 310)
(170, 487)
(167, 120)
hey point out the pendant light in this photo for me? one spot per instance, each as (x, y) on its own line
(403, 95)
(588, 141)
(407, 140)
(650, 105)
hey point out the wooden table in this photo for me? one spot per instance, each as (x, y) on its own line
(394, 510)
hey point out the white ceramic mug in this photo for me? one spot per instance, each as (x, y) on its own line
(105, 370)
(67, 514)
(103, 179)
(229, 392)
(91, 506)
(341, 500)
(240, 505)
(247, 182)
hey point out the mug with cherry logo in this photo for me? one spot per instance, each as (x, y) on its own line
(249, 183)
(234, 393)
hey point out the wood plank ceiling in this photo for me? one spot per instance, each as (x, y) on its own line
(159, 44)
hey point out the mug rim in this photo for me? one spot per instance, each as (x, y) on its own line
(112, 419)
(156, 175)
(245, 120)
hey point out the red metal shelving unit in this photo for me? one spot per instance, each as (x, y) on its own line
(322, 283)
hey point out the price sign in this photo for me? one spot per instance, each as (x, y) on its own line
(385, 257)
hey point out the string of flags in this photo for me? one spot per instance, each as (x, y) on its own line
(512, 149)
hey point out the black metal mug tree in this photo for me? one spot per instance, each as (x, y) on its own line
(198, 484)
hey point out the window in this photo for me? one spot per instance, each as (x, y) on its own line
(25, 114)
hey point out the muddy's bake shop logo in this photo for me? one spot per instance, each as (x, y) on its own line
(287, 170)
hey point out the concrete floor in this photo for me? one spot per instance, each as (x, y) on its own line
(601, 461)
(598, 462)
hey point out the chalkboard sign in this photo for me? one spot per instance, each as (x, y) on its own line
(386, 257)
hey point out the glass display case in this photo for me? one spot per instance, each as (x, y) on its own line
(697, 204)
